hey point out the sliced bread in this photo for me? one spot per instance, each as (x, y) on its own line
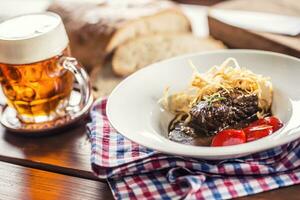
(96, 29)
(145, 50)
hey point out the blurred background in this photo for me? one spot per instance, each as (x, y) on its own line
(17, 7)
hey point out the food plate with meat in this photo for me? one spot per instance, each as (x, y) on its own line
(214, 105)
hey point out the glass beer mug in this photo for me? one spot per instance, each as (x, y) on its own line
(36, 70)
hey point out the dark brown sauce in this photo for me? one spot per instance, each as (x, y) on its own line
(180, 135)
(183, 138)
(187, 134)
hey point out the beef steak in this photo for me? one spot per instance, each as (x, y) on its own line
(222, 110)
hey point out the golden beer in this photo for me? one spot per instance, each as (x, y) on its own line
(36, 70)
(36, 89)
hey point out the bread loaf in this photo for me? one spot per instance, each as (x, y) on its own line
(145, 50)
(95, 30)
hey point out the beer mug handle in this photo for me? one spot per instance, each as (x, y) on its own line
(81, 77)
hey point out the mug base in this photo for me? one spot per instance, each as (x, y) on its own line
(59, 112)
(11, 121)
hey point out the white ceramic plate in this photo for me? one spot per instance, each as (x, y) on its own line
(134, 111)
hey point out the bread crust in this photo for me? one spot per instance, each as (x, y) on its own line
(112, 44)
(95, 30)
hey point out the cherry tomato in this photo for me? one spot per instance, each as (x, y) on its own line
(257, 132)
(274, 122)
(229, 137)
(257, 122)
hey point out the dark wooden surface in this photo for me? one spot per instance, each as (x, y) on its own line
(24, 183)
(67, 152)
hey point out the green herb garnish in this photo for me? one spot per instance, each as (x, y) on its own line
(214, 98)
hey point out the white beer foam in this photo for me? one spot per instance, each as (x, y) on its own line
(31, 38)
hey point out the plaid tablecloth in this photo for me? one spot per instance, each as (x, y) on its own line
(136, 172)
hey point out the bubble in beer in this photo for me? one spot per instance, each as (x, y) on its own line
(28, 94)
(13, 74)
(9, 91)
(32, 73)
(46, 89)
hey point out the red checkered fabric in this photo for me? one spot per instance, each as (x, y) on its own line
(136, 172)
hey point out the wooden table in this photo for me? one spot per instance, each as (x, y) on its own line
(58, 167)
